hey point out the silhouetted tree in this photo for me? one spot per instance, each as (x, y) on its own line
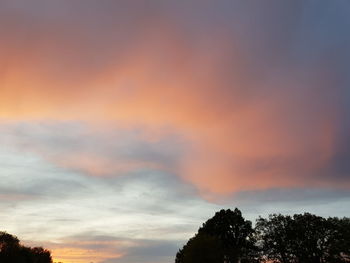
(301, 238)
(9, 248)
(8, 241)
(274, 235)
(231, 238)
(40, 255)
(304, 238)
(309, 242)
(11, 251)
(338, 241)
(201, 248)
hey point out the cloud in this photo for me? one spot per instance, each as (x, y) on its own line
(68, 207)
(95, 151)
(123, 123)
(105, 248)
(144, 216)
(148, 251)
(259, 103)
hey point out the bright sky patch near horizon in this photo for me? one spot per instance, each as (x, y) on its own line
(124, 125)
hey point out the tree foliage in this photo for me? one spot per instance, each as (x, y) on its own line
(201, 248)
(11, 251)
(301, 238)
(230, 236)
(304, 238)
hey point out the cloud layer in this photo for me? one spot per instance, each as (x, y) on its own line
(178, 103)
(256, 107)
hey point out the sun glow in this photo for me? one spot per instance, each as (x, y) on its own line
(79, 255)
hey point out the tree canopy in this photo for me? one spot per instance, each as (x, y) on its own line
(11, 251)
(230, 234)
(201, 248)
(302, 238)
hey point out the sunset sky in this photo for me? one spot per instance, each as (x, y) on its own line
(125, 124)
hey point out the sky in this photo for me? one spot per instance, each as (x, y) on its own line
(124, 125)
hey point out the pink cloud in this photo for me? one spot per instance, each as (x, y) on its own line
(247, 127)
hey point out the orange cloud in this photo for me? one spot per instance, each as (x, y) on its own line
(86, 251)
(245, 133)
(79, 255)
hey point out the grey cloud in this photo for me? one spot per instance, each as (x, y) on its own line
(133, 250)
(297, 195)
(115, 145)
(59, 202)
(149, 251)
(324, 202)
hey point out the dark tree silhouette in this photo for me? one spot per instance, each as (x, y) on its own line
(8, 241)
(231, 238)
(274, 234)
(309, 242)
(201, 248)
(11, 251)
(338, 242)
(40, 255)
(304, 238)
